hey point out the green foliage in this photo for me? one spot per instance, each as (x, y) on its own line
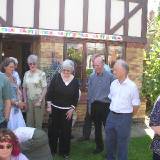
(74, 54)
(151, 76)
(89, 71)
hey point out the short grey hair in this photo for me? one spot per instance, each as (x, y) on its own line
(97, 55)
(14, 59)
(123, 64)
(68, 64)
(32, 58)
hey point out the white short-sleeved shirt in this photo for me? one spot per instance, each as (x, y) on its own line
(24, 133)
(124, 96)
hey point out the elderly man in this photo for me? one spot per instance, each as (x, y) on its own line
(5, 103)
(124, 103)
(98, 101)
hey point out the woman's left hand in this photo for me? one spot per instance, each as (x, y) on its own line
(69, 113)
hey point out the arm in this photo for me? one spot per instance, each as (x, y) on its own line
(156, 129)
(135, 99)
(135, 109)
(25, 94)
(155, 117)
(7, 109)
(75, 101)
(6, 95)
(24, 91)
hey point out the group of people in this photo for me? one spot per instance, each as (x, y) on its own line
(16, 135)
(112, 101)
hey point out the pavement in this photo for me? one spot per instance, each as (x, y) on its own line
(138, 130)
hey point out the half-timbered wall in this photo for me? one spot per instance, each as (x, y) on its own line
(106, 16)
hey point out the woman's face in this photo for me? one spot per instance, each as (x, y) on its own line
(66, 73)
(5, 150)
(10, 68)
(32, 66)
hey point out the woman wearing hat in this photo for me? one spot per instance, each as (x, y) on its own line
(62, 98)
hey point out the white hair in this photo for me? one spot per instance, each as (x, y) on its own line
(14, 59)
(123, 64)
(32, 58)
(68, 64)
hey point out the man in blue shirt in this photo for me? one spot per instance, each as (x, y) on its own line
(98, 101)
(5, 103)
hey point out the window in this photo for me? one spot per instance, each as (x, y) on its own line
(114, 53)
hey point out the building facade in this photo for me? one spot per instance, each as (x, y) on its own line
(76, 29)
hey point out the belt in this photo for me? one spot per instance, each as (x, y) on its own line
(119, 113)
(116, 112)
(61, 107)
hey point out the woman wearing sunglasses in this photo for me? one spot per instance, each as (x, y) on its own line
(34, 90)
(9, 146)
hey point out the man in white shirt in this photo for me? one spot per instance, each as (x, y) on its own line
(34, 143)
(125, 100)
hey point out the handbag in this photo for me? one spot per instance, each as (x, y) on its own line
(155, 144)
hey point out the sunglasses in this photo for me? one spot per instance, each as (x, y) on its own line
(31, 64)
(8, 146)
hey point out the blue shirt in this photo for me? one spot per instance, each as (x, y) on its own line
(99, 87)
(5, 94)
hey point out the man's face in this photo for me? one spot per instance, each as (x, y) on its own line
(98, 65)
(119, 71)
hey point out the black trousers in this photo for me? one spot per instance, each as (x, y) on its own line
(59, 132)
(99, 113)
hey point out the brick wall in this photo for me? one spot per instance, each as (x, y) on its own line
(134, 57)
(47, 47)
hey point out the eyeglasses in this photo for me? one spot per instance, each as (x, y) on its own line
(66, 70)
(8, 146)
(31, 64)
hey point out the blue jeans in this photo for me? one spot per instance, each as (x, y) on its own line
(117, 130)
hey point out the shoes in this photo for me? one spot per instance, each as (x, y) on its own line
(97, 150)
(66, 157)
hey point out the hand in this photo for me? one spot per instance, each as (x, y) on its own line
(69, 114)
(22, 105)
(49, 107)
(38, 103)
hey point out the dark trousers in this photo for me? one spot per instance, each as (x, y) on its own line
(59, 132)
(156, 156)
(99, 113)
(3, 124)
(118, 127)
(87, 126)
